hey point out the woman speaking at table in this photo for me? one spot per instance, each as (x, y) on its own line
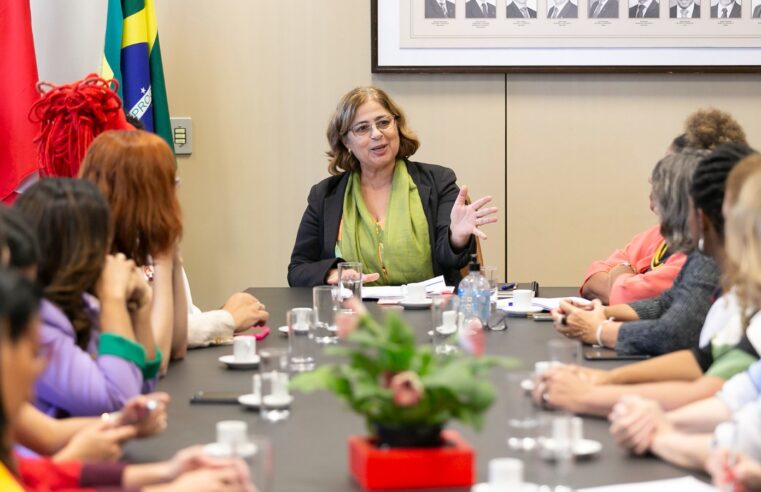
(405, 221)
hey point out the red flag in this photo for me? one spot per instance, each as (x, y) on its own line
(18, 66)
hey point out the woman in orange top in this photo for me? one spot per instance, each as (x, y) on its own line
(651, 261)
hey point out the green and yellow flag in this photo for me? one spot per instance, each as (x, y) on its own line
(132, 56)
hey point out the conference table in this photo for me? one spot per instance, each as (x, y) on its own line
(310, 447)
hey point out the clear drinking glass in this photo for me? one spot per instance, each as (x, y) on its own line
(446, 323)
(522, 418)
(564, 351)
(557, 444)
(350, 279)
(276, 399)
(261, 464)
(274, 369)
(326, 302)
(300, 344)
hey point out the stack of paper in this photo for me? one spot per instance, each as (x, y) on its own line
(684, 484)
(434, 285)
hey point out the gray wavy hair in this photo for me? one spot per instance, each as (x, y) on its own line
(672, 180)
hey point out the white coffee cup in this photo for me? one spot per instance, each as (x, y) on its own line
(522, 299)
(543, 366)
(244, 348)
(232, 433)
(506, 473)
(415, 292)
(577, 430)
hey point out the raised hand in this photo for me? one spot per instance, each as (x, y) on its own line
(465, 219)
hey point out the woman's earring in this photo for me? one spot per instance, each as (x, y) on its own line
(701, 244)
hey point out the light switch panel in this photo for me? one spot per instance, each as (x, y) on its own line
(182, 135)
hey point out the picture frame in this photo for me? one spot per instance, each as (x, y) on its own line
(493, 46)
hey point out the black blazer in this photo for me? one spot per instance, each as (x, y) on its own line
(513, 12)
(473, 10)
(652, 10)
(733, 14)
(314, 252)
(673, 13)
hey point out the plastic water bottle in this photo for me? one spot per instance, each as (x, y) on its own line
(475, 293)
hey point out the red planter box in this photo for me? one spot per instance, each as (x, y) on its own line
(452, 465)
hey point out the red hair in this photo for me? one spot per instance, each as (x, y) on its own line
(135, 171)
(70, 117)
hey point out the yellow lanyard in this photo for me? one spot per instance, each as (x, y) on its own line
(659, 255)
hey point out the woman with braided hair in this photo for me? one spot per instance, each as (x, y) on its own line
(71, 116)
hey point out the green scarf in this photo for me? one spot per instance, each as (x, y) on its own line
(400, 252)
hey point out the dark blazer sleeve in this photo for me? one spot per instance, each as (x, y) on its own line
(307, 267)
(446, 190)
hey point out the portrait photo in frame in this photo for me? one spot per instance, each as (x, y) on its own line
(637, 36)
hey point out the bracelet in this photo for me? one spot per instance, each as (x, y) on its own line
(598, 332)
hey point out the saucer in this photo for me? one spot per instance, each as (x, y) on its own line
(231, 363)
(584, 448)
(277, 402)
(217, 450)
(527, 385)
(515, 310)
(250, 400)
(283, 330)
(419, 304)
(488, 487)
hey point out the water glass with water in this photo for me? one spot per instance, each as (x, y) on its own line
(564, 351)
(350, 279)
(300, 342)
(326, 303)
(446, 319)
(522, 418)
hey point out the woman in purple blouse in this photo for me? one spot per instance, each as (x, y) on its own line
(95, 313)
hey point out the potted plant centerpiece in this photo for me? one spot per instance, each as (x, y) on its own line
(407, 395)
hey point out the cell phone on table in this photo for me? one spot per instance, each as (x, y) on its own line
(215, 397)
(541, 316)
(596, 353)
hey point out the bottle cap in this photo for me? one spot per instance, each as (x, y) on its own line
(474, 266)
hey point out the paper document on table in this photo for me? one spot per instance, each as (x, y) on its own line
(546, 303)
(684, 484)
(433, 285)
(550, 303)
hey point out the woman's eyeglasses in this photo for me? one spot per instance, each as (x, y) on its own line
(381, 124)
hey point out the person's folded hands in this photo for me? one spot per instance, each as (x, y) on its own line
(635, 421)
(579, 323)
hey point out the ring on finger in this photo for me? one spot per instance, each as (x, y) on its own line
(564, 320)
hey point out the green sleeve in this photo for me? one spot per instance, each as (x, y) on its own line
(731, 362)
(151, 367)
(117, 345)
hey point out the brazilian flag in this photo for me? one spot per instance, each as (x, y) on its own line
(132, 56)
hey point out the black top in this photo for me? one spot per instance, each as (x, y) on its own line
(314, 252)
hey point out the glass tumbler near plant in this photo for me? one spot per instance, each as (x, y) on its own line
(326, 301)
(447, 320)
(273, 382)
(300, 339)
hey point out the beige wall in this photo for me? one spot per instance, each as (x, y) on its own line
(260, 80)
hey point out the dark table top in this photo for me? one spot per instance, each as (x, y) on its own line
(310, 447)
